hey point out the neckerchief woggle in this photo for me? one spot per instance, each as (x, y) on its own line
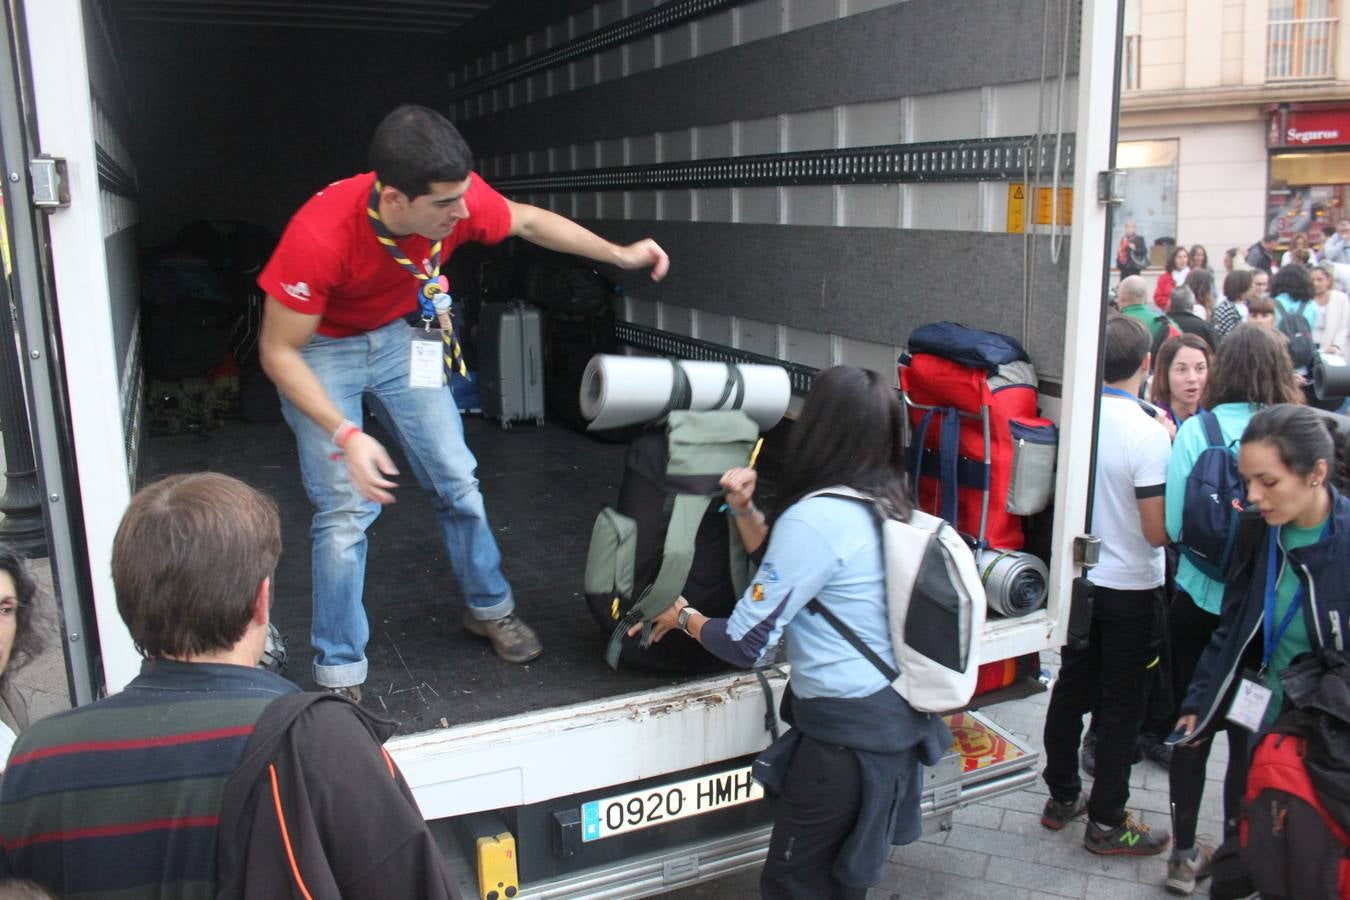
(433, 292)
(1271, 635)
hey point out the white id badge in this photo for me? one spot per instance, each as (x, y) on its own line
(425, 369)
(1249, 703)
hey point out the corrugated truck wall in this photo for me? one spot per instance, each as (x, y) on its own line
(637, 119)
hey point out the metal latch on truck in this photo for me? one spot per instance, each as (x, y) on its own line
(51, 183)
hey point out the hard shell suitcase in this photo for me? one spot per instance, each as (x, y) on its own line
(511, 363)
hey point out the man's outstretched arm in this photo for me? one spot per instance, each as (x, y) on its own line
(555, 232)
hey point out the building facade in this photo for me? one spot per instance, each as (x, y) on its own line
(1235, 120)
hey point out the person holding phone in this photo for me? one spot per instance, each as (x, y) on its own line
(1289, 590)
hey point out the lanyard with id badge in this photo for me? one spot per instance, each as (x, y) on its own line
(433, 353)
(1252, 698)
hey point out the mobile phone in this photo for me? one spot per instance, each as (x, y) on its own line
(1176, 737)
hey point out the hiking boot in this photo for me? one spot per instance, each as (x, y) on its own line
(351, 691)
(1056, 815)
(1155, 751)
(1130, 838)
(1183, 873)
(513, 640)
(1087, 755)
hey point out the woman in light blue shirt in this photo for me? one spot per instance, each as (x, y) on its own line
(1252, 370)
(848, 773)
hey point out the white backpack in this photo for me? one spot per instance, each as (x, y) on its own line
(935, 606)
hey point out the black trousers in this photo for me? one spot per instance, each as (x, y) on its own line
(1110, 675)
(815, 814)
(1191, 628)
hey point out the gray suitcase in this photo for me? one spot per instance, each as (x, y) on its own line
(511, 362)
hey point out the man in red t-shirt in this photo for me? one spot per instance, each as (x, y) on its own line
(353, 264)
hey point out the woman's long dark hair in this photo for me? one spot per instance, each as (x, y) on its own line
(1302, 437)
(849, 433)
(28, 636)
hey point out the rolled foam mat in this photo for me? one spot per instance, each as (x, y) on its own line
(1014, 582)
(626, 390)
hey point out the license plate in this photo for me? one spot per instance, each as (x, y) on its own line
(666, 803)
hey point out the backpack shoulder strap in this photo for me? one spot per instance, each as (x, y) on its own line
(1213, 433)
(814, 604)
(676, 558)
(848, 634)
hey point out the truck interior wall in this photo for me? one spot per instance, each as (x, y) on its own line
(869, 262)
(119, 213)
(247, 123)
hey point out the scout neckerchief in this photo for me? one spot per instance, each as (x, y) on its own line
(433, 296)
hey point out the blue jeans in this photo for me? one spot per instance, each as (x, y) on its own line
(426, 424)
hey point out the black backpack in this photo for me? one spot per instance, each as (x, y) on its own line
(1295, 327)
(669, 535)
(1211, 508)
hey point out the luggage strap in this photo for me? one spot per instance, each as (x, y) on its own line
(680, 393)
(676, 558)
(736, 382)
(949, 445)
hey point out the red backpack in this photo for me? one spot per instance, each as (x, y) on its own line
(1292, 845)
(954, 380)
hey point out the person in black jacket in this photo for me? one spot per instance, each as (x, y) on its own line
(1132, 254)
(1292, 571)
(1181, 313)
(1260, 255)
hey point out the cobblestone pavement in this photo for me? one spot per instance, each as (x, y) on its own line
(998, 850)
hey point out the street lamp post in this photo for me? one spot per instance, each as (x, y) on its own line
(21, 522)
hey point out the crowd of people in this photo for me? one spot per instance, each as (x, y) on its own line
(1170, 626)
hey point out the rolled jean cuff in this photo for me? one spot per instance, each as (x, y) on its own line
(345, 675)
(498, 609)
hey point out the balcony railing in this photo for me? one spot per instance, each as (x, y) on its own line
(1129, 64)
(1301, 50)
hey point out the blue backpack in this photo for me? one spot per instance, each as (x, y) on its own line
(1213, 503)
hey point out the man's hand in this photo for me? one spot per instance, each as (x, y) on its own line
(739, 484)
(368, 463)
(642, 254)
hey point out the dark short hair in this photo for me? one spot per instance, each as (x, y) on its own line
(1302, 437)
(30, 638)
(188, 559)
(1127, 342)
(1172, 257)
(1252, 366)
(415, 146)
(1261, 303)
(1271, 237)
(1236, 283)
(1160, 389)
(850, 432)
(1292, 280)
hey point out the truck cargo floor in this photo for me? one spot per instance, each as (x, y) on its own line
(543, 488)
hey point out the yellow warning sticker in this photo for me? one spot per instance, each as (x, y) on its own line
(1017, 208)
(1046, 206)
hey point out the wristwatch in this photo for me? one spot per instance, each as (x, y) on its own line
(683, 620)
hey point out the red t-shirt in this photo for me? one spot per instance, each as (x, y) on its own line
(330, 264)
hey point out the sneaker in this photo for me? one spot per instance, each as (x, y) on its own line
(352, 692)
(1087, 755)
(1155, 751)
(513, 640)
(1130, 838)
(1056, 815)
(1182, 873)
